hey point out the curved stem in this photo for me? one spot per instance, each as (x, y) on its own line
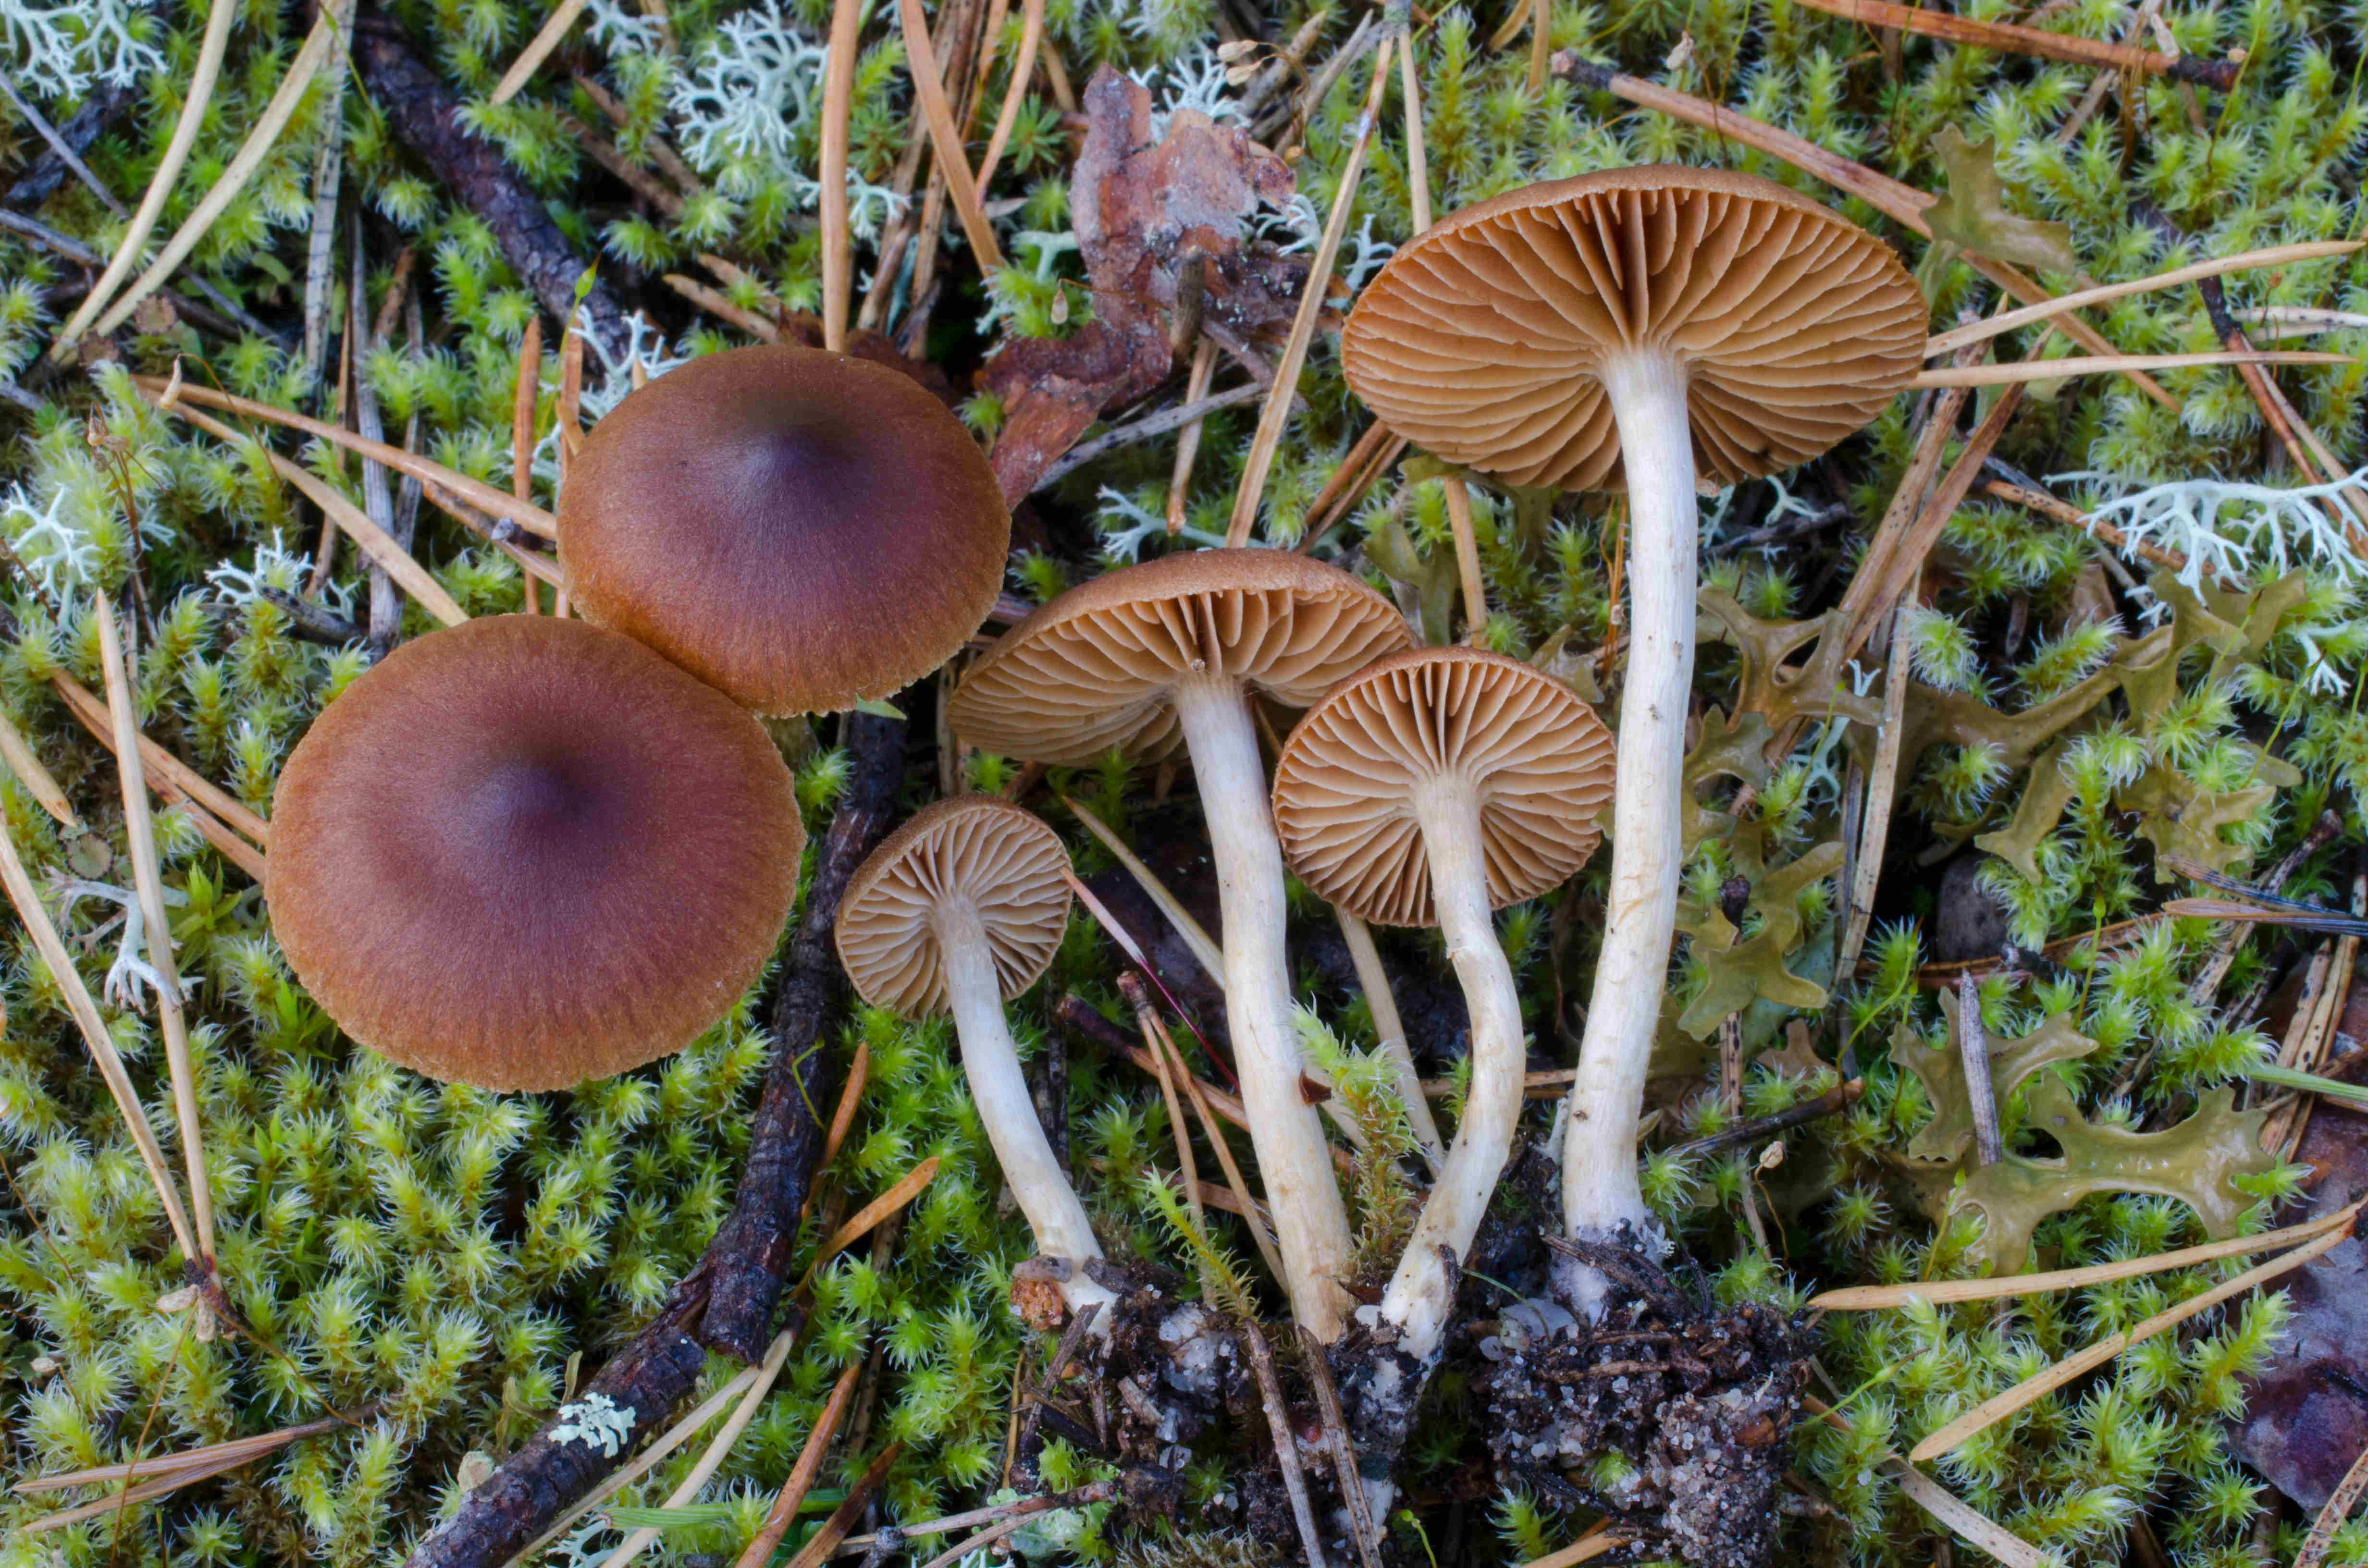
(1598, 1170)
(991, 1063)
(1423, 1289)
(1310, 1220)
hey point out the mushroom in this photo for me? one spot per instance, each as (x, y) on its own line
(524, 852)
(1165, 656)
(1430, 788)
(959, 910)
(802, 530)
(1658, 330)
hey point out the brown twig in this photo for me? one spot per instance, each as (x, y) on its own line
(1344, 1451)
(842, 1518)
(1145, 428)
(1372, 455)
(929, 88)
(1904, 563)
(2339, 1506)
(784, 1511)
(160, 763)
(838, 240)
(2006, 38)
(1833, 1102)
(1261, 459)
(476, 492)
(1031, 42)
(1903, 204)
(751, 1249)
(1286, 1441)
(156, 928)
(2064, 512)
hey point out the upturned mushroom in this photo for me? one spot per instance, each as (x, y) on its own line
(1165, 657)
(1430, 789)
(1657, 330)
(523, 852)
(802, 530)
(959, 910)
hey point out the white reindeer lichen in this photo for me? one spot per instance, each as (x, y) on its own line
(276, 566)
(2228, 527)
(596, 1422)
(1195, 81)
(1124, 523)
(60, 50)
(60, 556)
(753, 84)
(623, 32)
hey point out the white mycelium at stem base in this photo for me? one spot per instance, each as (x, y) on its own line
(991, 1063)
(1310, 1222)
(1423, 1289)
(1599, 1168)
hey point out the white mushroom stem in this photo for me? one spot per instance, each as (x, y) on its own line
(1599, 1168)
(1310, 1222)
(1423, 1290)
(990, 1062)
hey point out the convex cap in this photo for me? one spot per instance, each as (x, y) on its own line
(980, 849)
(1484, 339)
(1536, 760)
(524, 852)
(798, 528)
(1093, 669)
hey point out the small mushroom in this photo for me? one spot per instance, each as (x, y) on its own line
(1165, 657)
(1430, 788)
(801, 530)
(959, 910)
(1654, 329)
(524, 852)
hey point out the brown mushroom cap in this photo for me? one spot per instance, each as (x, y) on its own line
(1537, 757)
(799, 529)
(524, 852)
(1482, 340)
(980, 848)
(1092, 669)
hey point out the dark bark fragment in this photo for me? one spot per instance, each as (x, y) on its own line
(81, 131)
(751, 1250)
(426, 115)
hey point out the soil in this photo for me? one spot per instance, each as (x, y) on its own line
(1670, 1414)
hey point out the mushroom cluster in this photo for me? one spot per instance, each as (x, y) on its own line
(524, 852)
(1659, 331)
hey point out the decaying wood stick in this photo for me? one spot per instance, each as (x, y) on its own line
(426, 115)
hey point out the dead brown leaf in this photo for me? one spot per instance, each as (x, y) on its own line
(1145, 213)
(1141, 209)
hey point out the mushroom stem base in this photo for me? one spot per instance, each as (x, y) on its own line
(991, 1063)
